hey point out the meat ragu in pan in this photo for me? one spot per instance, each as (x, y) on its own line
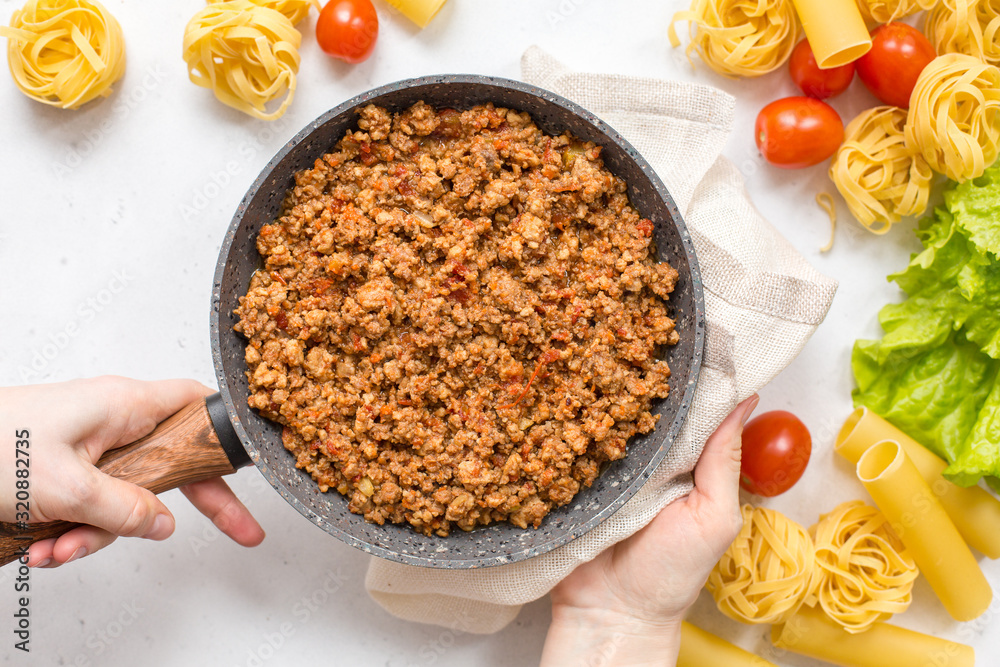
(458, 320)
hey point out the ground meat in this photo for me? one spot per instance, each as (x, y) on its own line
(458, 318)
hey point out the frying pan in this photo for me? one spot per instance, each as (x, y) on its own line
(221, 434)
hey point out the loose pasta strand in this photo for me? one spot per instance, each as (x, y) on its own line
(825, 202)
(246, 53)
(954, 118)
(64, 53)
(740, 37)
(877, 174)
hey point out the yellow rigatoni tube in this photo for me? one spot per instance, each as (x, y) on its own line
(916, 515)
(975, 513)
(835, 29)
(419, 11)
(703, 649)
(809, 632)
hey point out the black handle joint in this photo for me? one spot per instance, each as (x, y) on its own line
(230, 442)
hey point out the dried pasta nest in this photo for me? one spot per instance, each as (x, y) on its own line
(954, 118)
(740, 37)
(864, 573)
(767, 572)
(247, 54)
(64, 53)
(294, 10)
(879, 177)
(965, 26)
(883, 11)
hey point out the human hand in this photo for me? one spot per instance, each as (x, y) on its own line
(628, 603)
(71, 425)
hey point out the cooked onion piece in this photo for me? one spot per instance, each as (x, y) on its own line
(294, 10)
(954, 119)
(767, 572)
(64, 52)
(879, 177)
(247, 54)
(965, 26)
(864, 572)
(740, 37)
(883, 11)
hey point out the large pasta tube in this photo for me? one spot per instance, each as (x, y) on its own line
(835, 29)
(812, 634)
(975, 513)
(419, 11)
(929, 535)
(703, 649)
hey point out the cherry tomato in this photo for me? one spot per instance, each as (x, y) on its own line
(816, 82)
(776, 449)
(796, 132)
(347, 29)
(890, 69)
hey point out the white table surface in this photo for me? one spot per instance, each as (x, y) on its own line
(111, 218)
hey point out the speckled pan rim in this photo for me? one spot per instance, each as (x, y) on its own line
(636, 481)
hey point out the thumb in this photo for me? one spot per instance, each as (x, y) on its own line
(119, 507)
(717, 474)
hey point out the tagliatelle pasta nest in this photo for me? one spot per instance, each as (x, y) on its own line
(246, 53)
(884, 11)
(954, 118)
(740, 37)
(64, 53)
(294, 10)
(965, 26)
(879, 177)
(767, 572)
(864, 572)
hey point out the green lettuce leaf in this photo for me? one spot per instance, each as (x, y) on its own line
(974, 204)
(935, 373)
(981, 455)
(979, 284)
(935, 397)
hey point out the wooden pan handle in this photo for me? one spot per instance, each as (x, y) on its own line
(189, 446)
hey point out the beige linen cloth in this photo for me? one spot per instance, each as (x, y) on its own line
(762, 302)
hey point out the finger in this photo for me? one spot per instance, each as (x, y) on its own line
(717, 474)
(115, 505)
(133, 408)
(70, 546)
(40, 553)
(216, 500)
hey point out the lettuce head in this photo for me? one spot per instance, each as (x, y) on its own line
(935, 373)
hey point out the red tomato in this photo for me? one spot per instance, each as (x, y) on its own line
(347, 29)
(890, 69)
(776, 449)
(816, 82)
(798, 132)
